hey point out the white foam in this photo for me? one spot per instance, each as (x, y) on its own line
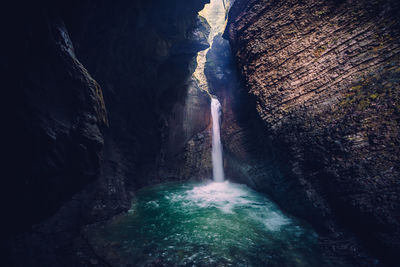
(227, 196)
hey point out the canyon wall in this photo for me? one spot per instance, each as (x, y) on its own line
(250, 156)
(323, 81)
(96, 93)
(54, 113)
(143, 53)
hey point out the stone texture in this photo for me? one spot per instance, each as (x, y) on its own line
(55, 114)
(186, 152)
(324, 80)
(250, 156)
(144, 66)
(70, 161)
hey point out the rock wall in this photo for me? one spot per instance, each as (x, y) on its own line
(54, 113)
(76, 157)
(323, 77)
(250, 156)
(142, 52)
(186, 153)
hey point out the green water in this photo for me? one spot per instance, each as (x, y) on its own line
(205, 224)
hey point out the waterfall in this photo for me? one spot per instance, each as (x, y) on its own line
(217, 161)
(215, 15)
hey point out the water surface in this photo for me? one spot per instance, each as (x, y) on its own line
(205, 224)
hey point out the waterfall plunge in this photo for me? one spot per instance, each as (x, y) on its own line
(218, 168)
(215, 14)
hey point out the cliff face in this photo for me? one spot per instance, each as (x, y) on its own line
(251, 157)
(142, 53)
(323, 77)
(54, 113)
(74, 155)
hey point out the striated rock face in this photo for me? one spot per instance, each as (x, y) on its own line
(250, 156)
(324, 79)
(186, 152)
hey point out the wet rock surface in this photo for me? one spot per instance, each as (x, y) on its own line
(323, 78)
(186, 152)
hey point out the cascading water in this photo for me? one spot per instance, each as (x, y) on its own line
(214, 13)
(217, 160)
